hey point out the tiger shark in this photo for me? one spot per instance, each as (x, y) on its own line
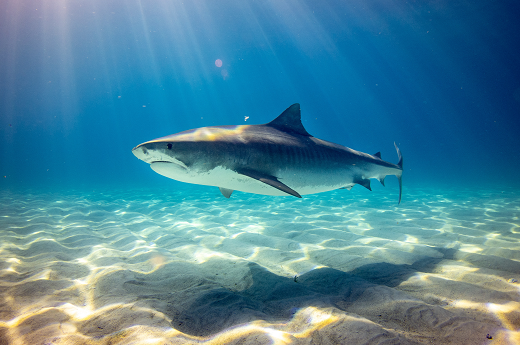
(276, 158)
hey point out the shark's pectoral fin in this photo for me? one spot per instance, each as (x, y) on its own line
(269, 180)
(363, 182)
(226, 192)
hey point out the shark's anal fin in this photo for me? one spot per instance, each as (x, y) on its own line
(269, 180)
(226, 192)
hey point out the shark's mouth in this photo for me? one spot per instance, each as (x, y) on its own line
(169, 169)
(169, 164)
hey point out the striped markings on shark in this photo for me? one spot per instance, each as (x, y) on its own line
(277, 158)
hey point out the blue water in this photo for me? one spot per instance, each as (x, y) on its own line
(83, 82)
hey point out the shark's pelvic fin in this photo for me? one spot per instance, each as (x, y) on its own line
(382, 180)
(226, 192)
(290, 121)
(363, 182)
(268, 179)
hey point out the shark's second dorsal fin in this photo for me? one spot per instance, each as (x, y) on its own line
(290, 121)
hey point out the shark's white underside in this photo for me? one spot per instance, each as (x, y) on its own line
(303, 182)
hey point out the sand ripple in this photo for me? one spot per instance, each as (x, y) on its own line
(190, 267)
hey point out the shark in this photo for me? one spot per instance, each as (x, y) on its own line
(277, 158)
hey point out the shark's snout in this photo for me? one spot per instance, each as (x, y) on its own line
(151, 155)
(142, 153)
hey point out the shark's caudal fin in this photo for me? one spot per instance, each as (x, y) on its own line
(400, 178)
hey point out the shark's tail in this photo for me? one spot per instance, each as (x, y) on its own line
(400, 176)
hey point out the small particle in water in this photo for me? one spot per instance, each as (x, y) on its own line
(224, 73)
(218, 63)
(246, 117)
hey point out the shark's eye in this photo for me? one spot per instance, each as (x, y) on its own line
(169, 146)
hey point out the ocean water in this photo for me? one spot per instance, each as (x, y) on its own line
(96, 248)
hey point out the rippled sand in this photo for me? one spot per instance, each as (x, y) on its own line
(191, 267)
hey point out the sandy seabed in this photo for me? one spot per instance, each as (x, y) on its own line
(191, 267)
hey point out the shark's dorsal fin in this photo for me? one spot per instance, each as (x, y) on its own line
(377, 154)
(290, 121)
